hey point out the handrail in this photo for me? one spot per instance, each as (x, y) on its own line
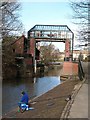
(81, 73)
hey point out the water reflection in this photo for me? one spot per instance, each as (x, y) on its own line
(34, 80)
(11, 90)
(45, 84)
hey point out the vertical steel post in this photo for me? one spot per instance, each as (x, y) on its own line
(72, 44)
(34, 58)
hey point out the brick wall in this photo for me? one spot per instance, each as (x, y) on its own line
(19, 45)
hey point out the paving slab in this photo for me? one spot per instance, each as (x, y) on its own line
(79, 108)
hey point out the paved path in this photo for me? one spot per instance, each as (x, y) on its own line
(79, 108)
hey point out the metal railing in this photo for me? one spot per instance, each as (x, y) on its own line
(81, 73)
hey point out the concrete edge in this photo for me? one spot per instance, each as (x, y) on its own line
(68, 106)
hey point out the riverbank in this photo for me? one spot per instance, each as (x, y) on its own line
(50, 104)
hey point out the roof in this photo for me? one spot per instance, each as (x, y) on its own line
(51, 27)
(12, 41)
(17, 39)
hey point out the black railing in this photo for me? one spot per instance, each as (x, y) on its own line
(81, 73)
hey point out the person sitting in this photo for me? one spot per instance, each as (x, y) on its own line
(24, 99)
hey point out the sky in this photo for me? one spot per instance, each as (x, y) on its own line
(50, 12)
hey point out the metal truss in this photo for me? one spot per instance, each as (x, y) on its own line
(50, 32)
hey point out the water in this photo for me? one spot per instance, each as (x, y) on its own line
(33, 86)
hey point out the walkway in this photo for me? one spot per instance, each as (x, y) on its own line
(79, 108)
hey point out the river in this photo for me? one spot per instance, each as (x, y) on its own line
(11, 89)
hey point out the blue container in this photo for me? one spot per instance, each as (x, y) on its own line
(24, 106)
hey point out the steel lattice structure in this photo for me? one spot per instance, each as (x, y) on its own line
(50, 32)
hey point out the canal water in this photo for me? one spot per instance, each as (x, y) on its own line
(11, 89)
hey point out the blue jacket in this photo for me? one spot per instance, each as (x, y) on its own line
(25, 99)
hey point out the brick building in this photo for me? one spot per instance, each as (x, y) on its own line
(21, 47)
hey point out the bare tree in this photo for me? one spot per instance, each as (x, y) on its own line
(49, 53)
(10, 27)
(81, 17)
(10, 18)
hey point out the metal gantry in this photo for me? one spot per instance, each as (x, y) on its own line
(51, 33)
